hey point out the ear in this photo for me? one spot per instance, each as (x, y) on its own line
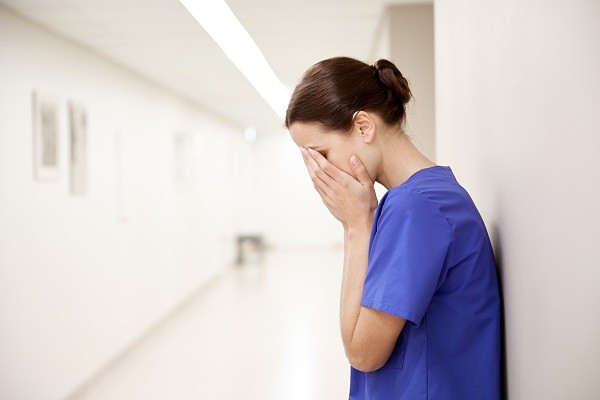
(364, 126)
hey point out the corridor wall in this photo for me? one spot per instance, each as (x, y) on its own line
(517, 100)
(411, 48)
(82, 277)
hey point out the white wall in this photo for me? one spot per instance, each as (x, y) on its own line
(411, 49)
(405, 36)
(81, 278)
(517, 105)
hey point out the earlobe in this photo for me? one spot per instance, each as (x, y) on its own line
(368, 135)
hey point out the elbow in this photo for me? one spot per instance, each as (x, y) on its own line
(365, 363)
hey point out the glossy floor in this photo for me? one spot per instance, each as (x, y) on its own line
(264, 331)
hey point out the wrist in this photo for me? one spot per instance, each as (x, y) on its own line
(365, 222)
(359, 227)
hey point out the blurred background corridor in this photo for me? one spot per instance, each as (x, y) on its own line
(160, 237)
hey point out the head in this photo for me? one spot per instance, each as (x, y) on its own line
(344, 106)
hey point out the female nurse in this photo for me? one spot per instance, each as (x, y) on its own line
(419, 304)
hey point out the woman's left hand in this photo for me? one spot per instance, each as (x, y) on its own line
(351, 200)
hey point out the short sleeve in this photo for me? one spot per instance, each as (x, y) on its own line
(409, 251)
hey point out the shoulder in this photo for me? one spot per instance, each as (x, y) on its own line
(408, 202)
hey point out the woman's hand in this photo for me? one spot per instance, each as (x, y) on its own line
(351, 200)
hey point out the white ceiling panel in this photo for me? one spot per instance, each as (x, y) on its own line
(162, 42)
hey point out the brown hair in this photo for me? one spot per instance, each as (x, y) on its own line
(332, 90)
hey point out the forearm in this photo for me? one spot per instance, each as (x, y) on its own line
(356, 248)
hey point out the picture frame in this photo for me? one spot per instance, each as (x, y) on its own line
(46, 137)
(78, 151)
(183, 157)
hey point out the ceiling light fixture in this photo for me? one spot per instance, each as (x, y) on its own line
(218, 20)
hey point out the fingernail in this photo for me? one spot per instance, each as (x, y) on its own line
(354, 160)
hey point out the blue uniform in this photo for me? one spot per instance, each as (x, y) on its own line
(431, 263)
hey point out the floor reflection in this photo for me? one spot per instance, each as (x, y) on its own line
(261, 331)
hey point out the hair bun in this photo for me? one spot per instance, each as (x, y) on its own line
(332, 90)
(391, 77)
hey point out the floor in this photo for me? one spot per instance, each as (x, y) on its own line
(264, 331)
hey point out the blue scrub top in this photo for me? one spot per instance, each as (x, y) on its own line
(431, 263)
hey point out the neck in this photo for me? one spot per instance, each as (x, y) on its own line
(399, 159)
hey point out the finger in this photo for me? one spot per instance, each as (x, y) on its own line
(318, 170)
(327, 167)
(339, 176)
(321, 187)
(303, 152)
(312, 168)
(323, 195)
(360, 171)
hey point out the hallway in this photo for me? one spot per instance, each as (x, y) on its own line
(141, 139)
(261, 331)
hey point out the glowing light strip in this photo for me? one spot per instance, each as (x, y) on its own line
(218, 20)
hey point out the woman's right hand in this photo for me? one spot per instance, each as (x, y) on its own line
(350, 199)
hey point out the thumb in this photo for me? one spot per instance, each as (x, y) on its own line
(360, 171)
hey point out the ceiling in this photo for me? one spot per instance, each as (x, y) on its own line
(161, 41)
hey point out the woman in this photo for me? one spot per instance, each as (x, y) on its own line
(419, 307)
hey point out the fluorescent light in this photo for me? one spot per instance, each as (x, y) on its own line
(218, 20)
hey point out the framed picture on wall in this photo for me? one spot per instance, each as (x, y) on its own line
(78, 148)
(183, 158)
(45, 137)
